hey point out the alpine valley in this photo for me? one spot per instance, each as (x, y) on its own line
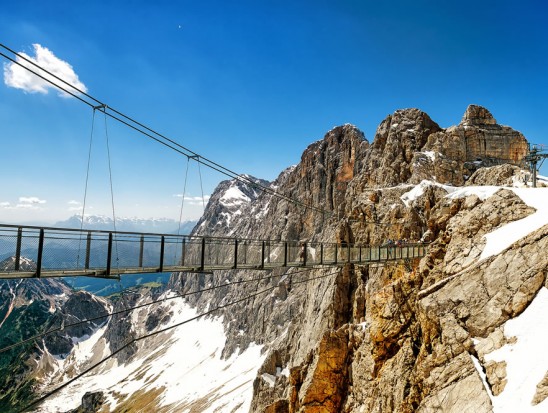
(463, 329)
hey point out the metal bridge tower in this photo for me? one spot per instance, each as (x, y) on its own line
(534, 157)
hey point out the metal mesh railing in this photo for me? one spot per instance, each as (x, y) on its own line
(35, 251)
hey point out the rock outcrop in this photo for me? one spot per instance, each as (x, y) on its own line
(501, 175)
(25, 308)
(410, 332)
(398, 338)
(477, 141)
(408, 336)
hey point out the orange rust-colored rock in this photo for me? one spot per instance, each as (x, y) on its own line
(322, 387)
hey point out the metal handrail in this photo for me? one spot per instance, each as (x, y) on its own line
(157, 252)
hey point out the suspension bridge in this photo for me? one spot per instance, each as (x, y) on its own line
(34, 252)
(31, 251)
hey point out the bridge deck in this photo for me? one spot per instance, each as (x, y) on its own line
(28, 252)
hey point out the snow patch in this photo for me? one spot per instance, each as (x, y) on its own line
(526, 358)
(430, 154)
(418, 190)
(282, 372)
(269, 378)
(482, 192)
(233, 195)
(185, 362)
(501, 238)
(483, 376)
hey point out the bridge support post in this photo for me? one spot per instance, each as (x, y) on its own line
(321, 254)
(285, 254)
(18, 248)
(304, 254)
(202, 258)
(263, 245)
(109, 253)
(88, 250)
(183, 252)
(235, 264)
(360, 254)
(141, 250)
(162, 249)
(336, 253)
(348, 258)
(40, 253)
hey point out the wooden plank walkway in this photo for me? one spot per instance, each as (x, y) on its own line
(31, 252)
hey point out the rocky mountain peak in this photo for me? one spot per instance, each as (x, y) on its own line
(477, 115)
(406, 336)
(25, 264)
(228, 201)
(340, 147)
(398, 138)
(404, 125)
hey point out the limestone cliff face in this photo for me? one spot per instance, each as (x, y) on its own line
(414, 353)
(403, 337)
(398, 138)
(410, 147)
(400, 337)
(321, 179)
(477, 141)
(404, 340)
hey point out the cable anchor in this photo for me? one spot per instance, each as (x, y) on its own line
(102, 107)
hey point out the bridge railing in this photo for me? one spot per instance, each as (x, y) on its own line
(35, 251)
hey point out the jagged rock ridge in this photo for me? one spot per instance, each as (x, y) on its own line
(366, 338)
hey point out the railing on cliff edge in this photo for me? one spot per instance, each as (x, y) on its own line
(29, 251)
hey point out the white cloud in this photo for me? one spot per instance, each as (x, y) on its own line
(76, 208)
(31, 200)
(194, 200)
(25, 202)
(73, 202)
(18, 77)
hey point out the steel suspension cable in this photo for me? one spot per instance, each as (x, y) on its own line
(125, 310)
(182, 149)
(163, 330)
(201, 184)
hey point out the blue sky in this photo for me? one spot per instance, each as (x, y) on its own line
(248, 84)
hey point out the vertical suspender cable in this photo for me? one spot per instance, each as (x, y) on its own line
(111, 189)
(201, 185)
(86, 188)
(203, 200)
(183, 198)
(181, 214)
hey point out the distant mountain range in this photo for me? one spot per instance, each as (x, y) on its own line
(101, 222)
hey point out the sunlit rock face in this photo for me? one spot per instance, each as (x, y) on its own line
(417, 335)
(477, 141)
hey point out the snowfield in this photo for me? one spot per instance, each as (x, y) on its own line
(181, 368)
(500, 239)
(526, 359)
(503, 237)
(525, 354)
